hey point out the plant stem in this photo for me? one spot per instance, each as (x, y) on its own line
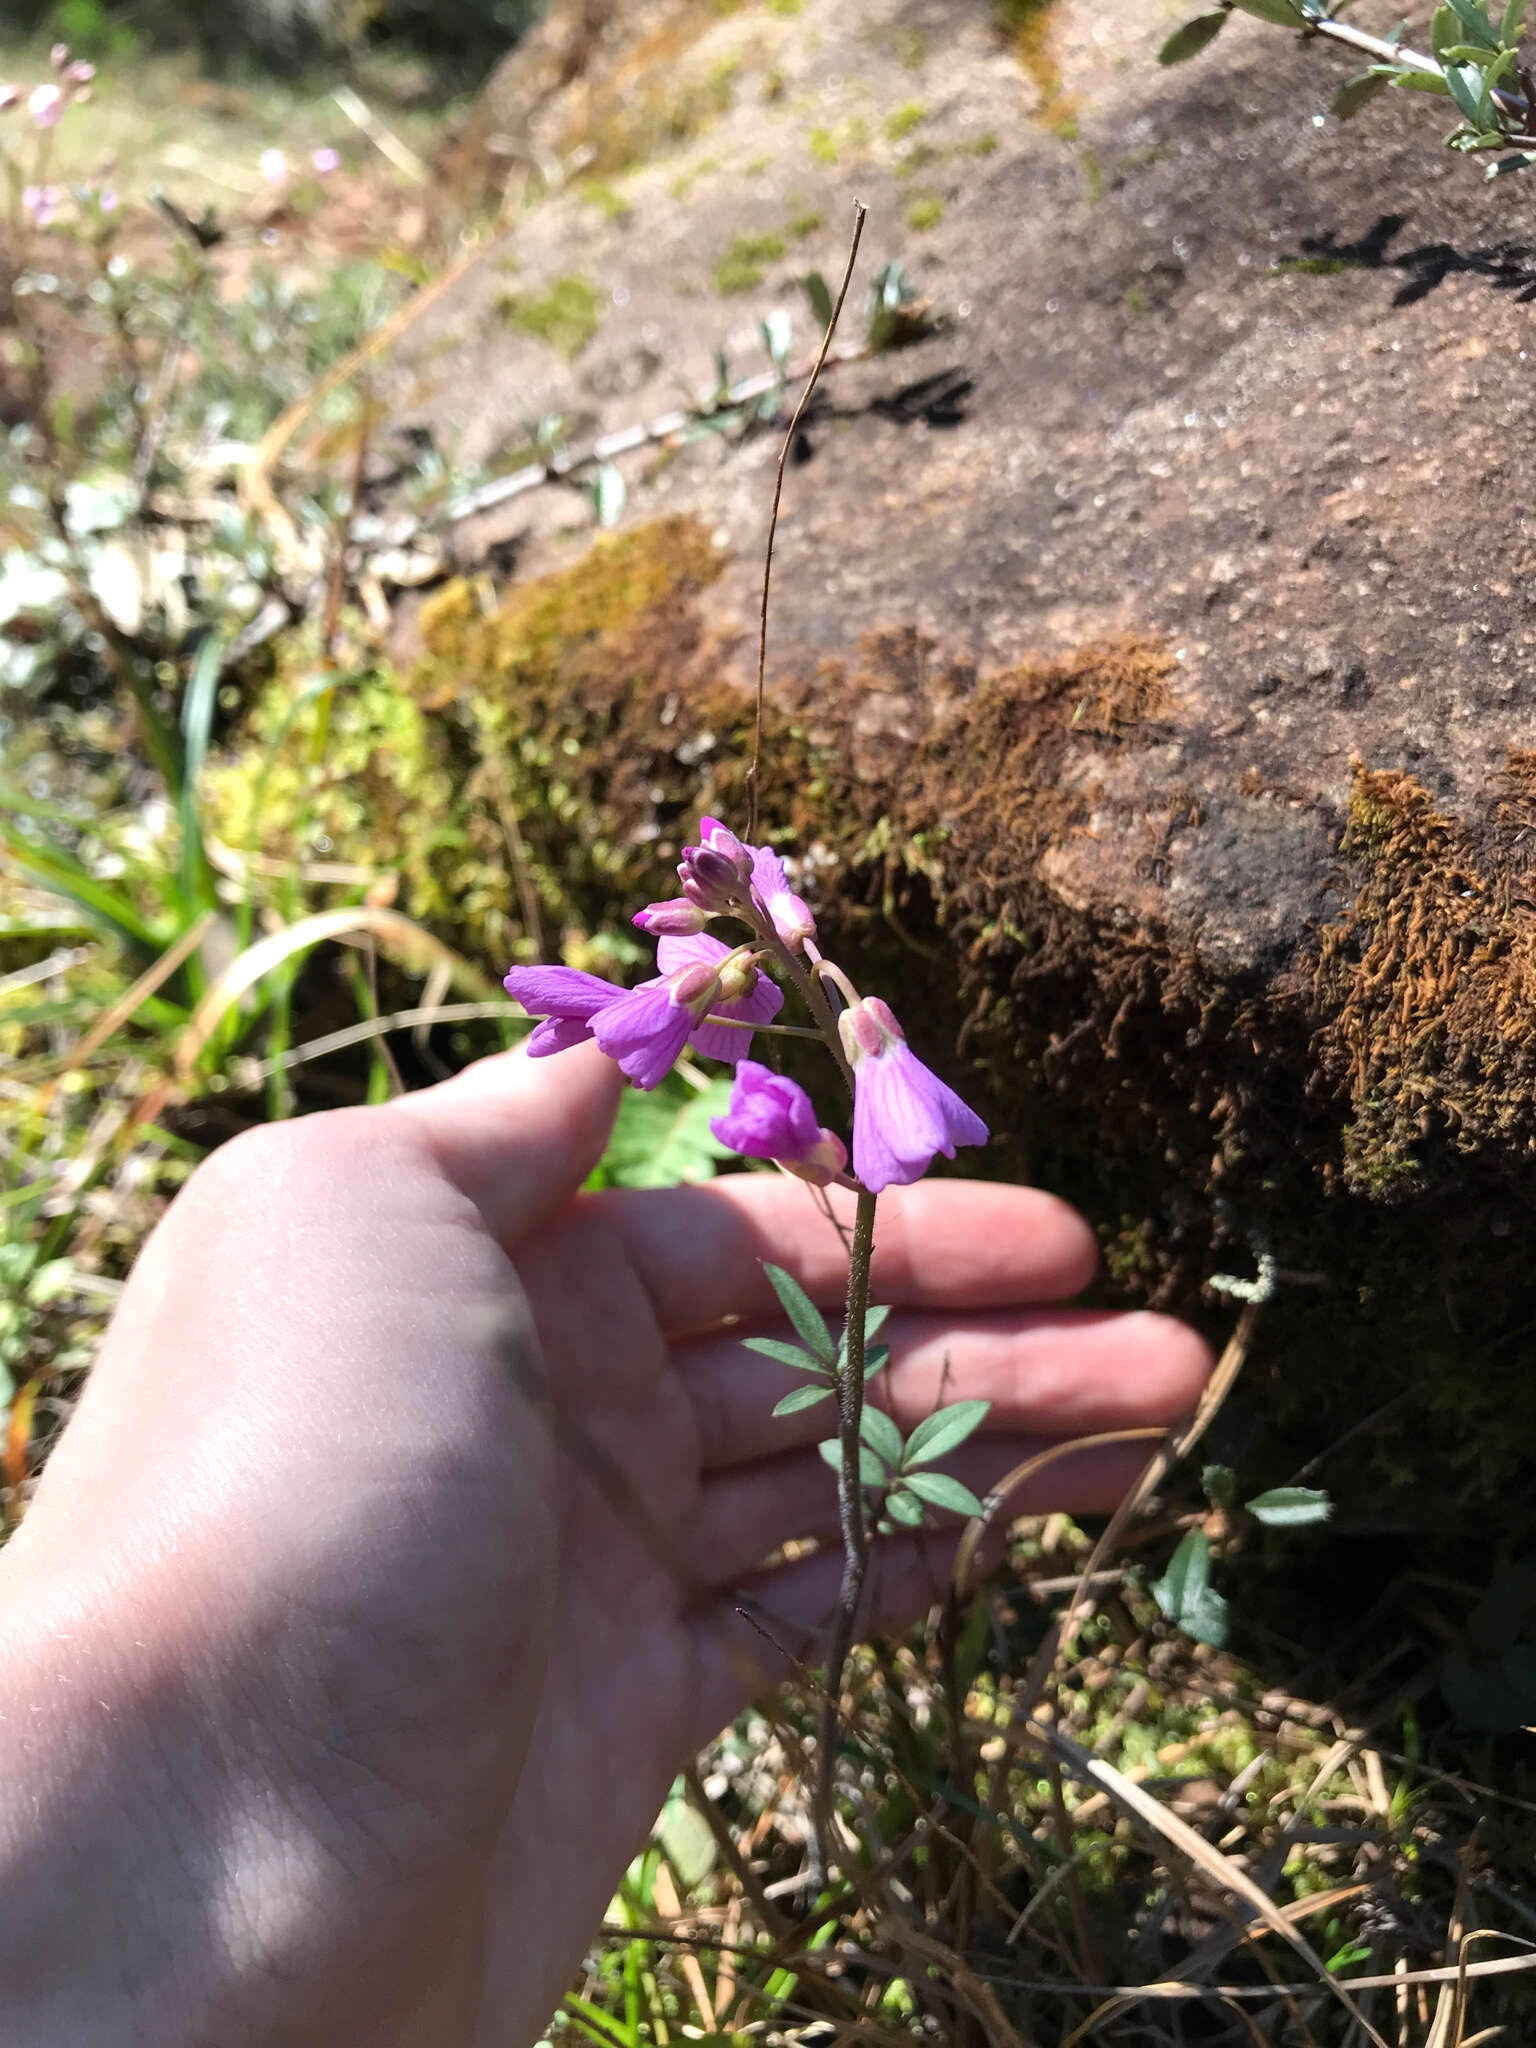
(850, 1501)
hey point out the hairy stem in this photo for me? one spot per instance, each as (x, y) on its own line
(850, 1501)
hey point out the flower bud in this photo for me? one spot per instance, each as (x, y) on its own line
(718, 885)
(80, 74)
(677, 918)
(58, 56)
(738, 976)
(45, 105)
(696, 988)
(722, 840)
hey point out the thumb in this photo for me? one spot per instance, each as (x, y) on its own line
(519, 1136)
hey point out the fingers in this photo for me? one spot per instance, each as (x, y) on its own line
(519, 1136)
(1062, 1372)
(940, 1244)
(766, 1631)
(744, 1516)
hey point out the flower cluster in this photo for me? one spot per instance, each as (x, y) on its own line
(46, 103)
(712, 997)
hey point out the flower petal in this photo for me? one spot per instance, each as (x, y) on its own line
(559, 991)
(644, 1031)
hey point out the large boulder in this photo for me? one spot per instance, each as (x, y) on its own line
(1160, 712)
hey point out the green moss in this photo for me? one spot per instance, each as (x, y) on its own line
(758, 167)
(745, 262)
(923, 214)
(1093, 177)
(610, 204)
(786, 7)
(1137, 304)
(804, 224)
(901, 123)
(565, 315)
(823, 145)
(984, 145)
(1311, 266)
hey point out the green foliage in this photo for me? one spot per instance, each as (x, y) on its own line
(925, 213)
(899, 125)
(1194, 36)
(1291, 1507)
(662, 1139)
(1185, 1593)
(566, 315)
(746, 260)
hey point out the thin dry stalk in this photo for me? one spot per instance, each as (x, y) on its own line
(859, 212)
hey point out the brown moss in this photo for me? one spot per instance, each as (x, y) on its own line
(1428, 984)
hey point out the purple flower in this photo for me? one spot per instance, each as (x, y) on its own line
(789, 913)
(646, 1029)
(760, 1005)
(565, 998)
(902, 1112)
(9, 95)
(58, 56)
(771, 1117)
(325, 161)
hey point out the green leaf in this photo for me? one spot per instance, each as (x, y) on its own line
(819, 292)
(877, 1356)
(1475, 16)
(1357, 92)
(662, 1139)
(939, 1433)
(1290, 1507)
(1186, 1595)
(871, 1471)
(1220, 1483)
(801, 1310)
(1282, 12)
(690, 1846)
(801, 1397)
(1493, 78)
(1444, 31)
(1192, 38)
(882, 1436)
(1464, 82)
(902, 1506)
(787, 1354)
(940, 1491)
(1507, 164)
(1513, 24)
(197, 708)
(607, 493)
(1421, 81)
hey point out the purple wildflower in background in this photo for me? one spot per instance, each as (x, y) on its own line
(325, 161)
(771, 1117)
(903, 1114)
(760, 1004)
(9, 95)
(46, 105)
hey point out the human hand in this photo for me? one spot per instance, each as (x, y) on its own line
(390, 1567)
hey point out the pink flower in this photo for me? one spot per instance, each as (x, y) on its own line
(58, 56)
(9, 95)
(760, 1005)
(771, 1117)
(79, 74)
(903, 1114)
(46, 104)
(273, 166)
(41, 203)
(645, 1030)
(325, 161)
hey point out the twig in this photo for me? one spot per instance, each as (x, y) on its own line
(859, 213)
